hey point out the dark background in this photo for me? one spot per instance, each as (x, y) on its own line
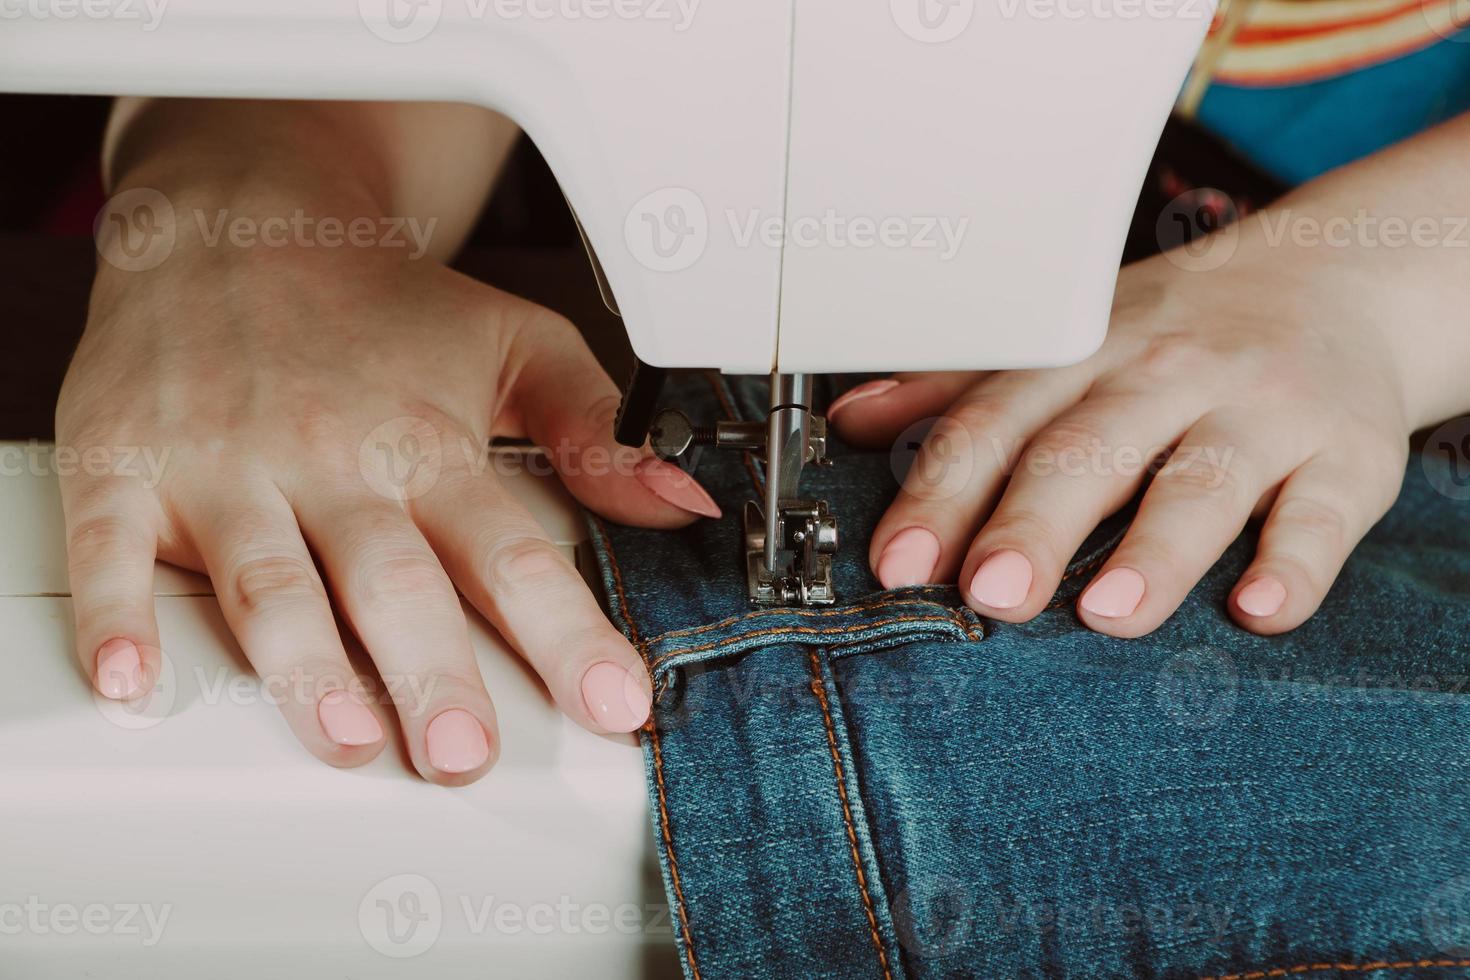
(526, 243)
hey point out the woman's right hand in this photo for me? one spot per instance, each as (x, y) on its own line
(323, 417)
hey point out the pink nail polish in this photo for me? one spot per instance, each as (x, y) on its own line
(615, 697)
(865, 390)
(909, 559)
(1115, 595)
(456, 742)
(120, 670)
(1002, 581)
(1263, 597)
(671, 484)
(346, 720)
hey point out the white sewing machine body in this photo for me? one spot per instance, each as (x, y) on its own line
(769, 185)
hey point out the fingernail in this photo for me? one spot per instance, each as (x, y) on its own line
(671, 484)
(346, 720)
(456, 742)
(1263, 597)
(1002, 581)
(865, 390)
(909, 559)
(120, 670)
(615, 697)
(1115, 595)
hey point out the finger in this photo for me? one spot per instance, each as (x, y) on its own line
(1323, 510)
(871, 415)
(1082, 466)
(274, 602)
(1197, 504)
(562, 399)
(957, 473)
(402, 606)
(112, 541)
(507, 567)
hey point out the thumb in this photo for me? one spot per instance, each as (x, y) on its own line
(567, 405)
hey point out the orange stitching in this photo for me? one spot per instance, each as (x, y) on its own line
(1300, 968)
(820, 691)
(882, 603)
(730, 413)
(1081, 570)
(658, 757)
(855, 628)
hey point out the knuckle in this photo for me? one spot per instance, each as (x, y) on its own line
(599, 416)
(394, 579)
(1322, 521)
(977, 413)
(1204, 476)
(267, 581)
(513, 564)
(1021, 525)
(1171, 356)
(103, 539)
(1069, 435)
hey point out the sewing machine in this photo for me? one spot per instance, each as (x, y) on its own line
(766, 186)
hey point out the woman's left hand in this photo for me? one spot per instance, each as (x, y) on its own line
(1276, 391)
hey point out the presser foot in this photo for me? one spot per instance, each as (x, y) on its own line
(807, 542)
(790, 541)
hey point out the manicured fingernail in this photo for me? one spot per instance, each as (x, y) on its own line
(671, 484)
(615, 697)
(456, 742)
(120, 670)
(1002, 581)
(346, 720)
(909, 559)
(865, 390)
(1263, 597)
(1115, 595)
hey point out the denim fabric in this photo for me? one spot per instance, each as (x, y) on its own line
(895, 787)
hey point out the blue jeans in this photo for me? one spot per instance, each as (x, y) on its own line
(895, 787)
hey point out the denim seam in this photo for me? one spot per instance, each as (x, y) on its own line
(776, 632)
(1103, 554)
(1375, 966)
(907, 597)
(818, 687)
(651, 729)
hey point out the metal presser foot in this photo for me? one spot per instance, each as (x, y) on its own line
(789, 540)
